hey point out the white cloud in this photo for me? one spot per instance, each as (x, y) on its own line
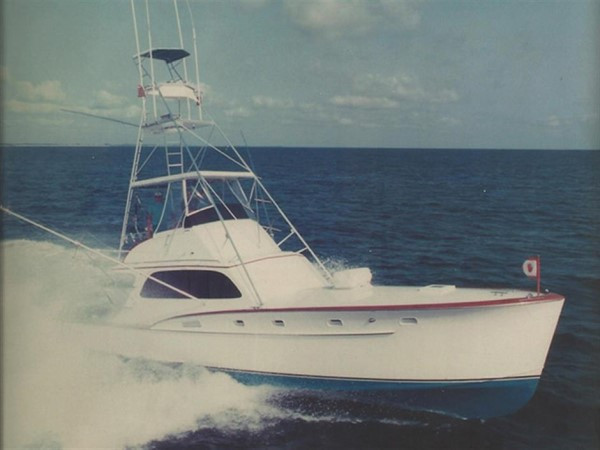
(48, 98)
(358, 101)
(324, 117)
(310, 107)
(106, 100)
(125, 111)
(373, 91)
(30, 107)
(55, 115)
(264, 101)
(335, 17)
(50, 91)
(107, 104)
(401, 87)
(131, 111)
(329, 15)
(238, 111)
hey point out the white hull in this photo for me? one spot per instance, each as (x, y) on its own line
(449, 343)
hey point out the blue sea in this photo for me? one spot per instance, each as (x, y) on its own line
(414, 216)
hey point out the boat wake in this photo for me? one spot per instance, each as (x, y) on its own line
(60, 394)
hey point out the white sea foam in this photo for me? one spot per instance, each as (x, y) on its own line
(59, 394)
(334, 264)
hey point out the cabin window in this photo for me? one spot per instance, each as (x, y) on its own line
(198, 283)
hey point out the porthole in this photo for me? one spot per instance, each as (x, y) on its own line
(279, 323)
(336, 323)
(408, 321)
(239, 323)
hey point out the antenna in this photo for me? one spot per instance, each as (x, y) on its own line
(195, 59)
(154, 87)
(138, 61)
(185, 72)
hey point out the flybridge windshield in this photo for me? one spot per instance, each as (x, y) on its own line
(216, 213)
(186, 203)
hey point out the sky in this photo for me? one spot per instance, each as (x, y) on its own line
(320, 73)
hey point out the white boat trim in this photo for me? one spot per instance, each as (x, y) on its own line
(200, 263)
(206, 174)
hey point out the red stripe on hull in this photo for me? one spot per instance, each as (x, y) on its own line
(428, 306)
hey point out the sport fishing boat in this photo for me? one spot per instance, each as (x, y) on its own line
(224, 280)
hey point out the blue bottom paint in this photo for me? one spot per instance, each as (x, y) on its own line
(465, 399)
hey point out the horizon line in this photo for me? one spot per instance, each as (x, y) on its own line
(332, 147)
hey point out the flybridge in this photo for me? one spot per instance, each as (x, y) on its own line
(186, 172)
(176, 86)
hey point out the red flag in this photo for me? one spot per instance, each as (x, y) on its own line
(531, 268)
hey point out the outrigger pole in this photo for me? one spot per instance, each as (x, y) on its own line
(94, 251)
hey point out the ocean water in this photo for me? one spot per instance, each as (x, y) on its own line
(415, 217)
